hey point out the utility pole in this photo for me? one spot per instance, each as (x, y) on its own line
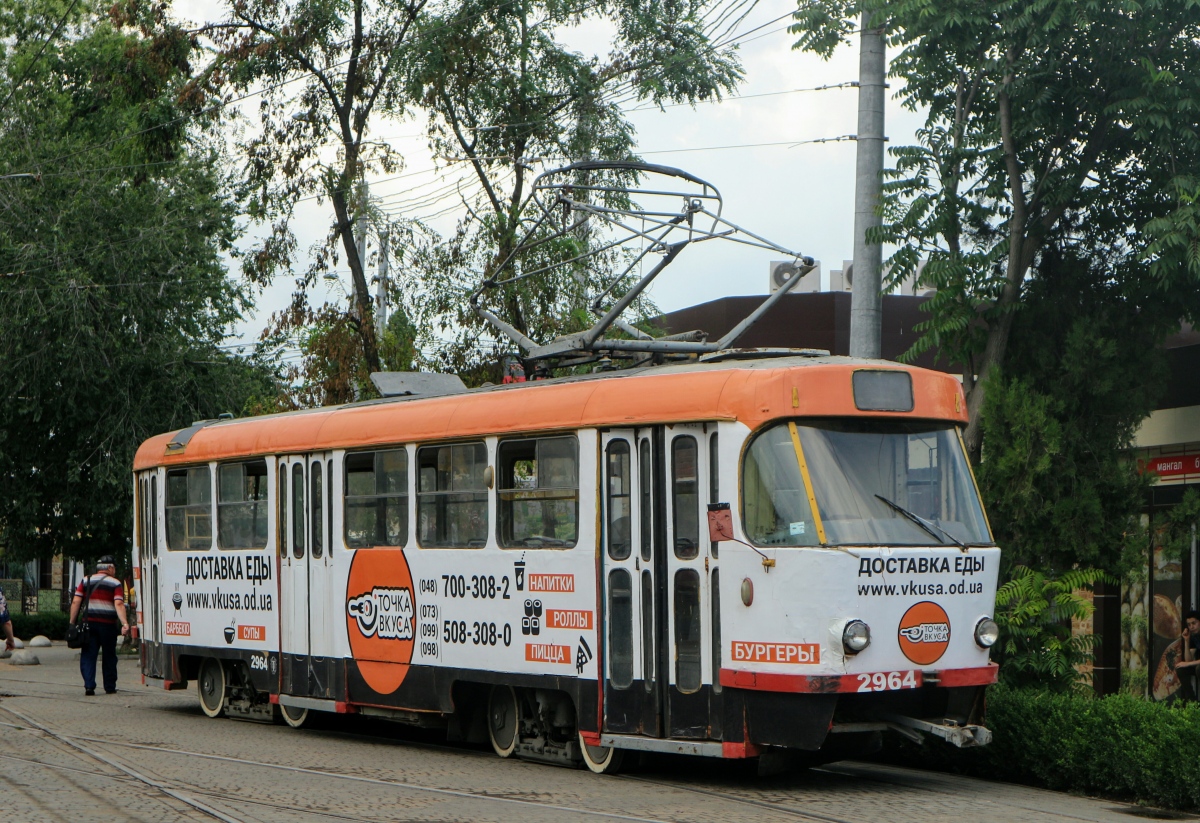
(866, 300)
(381, 286)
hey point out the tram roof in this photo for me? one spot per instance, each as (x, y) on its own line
(750, 391)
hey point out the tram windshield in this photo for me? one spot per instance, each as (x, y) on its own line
(874, 482)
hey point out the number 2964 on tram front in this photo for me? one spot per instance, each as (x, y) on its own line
(729, 559)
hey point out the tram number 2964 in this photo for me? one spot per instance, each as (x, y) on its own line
(887, 681)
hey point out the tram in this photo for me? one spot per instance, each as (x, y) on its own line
(726, 558)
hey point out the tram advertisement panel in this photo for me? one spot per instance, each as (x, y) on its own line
(921, 606)
(516, 612)
(221, 599)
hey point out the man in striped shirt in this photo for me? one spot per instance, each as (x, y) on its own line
(105, 608)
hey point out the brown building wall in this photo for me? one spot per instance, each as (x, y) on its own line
(807, 321)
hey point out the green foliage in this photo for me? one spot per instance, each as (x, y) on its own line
(1175, 530)
(1120, 746)
(52, 624)
(1034, 612)
(113, 296)
(502, 87)
(1084, 370)
(1052, 127)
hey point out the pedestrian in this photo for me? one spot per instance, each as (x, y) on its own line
(6, 622)
(105, 608)
(1191, 649)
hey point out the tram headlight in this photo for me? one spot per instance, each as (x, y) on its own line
(856, 636)
(986, 632)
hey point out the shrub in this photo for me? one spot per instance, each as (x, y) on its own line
(1118, 746)
(51, 624)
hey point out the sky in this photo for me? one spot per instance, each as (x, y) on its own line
(799, 196)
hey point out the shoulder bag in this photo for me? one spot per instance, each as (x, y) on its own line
(78, 634)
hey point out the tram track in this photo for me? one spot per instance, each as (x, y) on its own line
(186, 793)
(103, 750)
(151, 782)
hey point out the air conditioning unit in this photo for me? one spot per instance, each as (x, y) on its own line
(842, 279)
(782, 271)
(909, 285)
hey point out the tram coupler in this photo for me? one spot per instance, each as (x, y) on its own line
(964, 736)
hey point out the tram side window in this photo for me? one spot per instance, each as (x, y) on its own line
(714, 483)
(189, 509)
(687, 630)
(376, 499)
(452, 497)
(539, 492)
(242, 508)
(685, 493)
(619, 496)
(645, 490)
(620, 632)
(776, 505)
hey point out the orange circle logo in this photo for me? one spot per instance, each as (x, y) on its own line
(381, 617)
(924, 633)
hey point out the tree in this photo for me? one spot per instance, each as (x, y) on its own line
(504, 92)
(1049, 122)
(501, 89)
(113, 297)
(1084, 369)
(348, 55)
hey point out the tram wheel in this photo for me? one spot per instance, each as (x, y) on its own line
(601, 759)
(294, 716)
(211, 686)
(503, 720)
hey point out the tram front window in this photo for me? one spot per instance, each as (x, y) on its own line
(874, 481)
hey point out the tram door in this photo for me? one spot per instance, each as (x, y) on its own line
(684, 565)
(148, 561)
(321, 668)
(632, 700)
(294, 552)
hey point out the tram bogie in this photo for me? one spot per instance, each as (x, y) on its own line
(731, 560)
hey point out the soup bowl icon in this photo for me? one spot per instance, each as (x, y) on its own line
(230, 631)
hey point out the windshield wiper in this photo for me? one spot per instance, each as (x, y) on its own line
(925, 524)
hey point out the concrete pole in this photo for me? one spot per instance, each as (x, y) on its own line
(381, 285)
(866, 302)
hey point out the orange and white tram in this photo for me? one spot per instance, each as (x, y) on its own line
(718, 558)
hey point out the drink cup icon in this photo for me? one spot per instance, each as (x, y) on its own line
(519, 573)
(230, 631)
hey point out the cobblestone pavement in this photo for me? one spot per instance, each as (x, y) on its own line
(149, 755)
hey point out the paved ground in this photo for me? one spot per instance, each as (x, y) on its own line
(149, 755)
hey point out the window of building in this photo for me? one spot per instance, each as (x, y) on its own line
(189, 509)
(452, 499)
(539, 492)
(376, 499)
(242, 507)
